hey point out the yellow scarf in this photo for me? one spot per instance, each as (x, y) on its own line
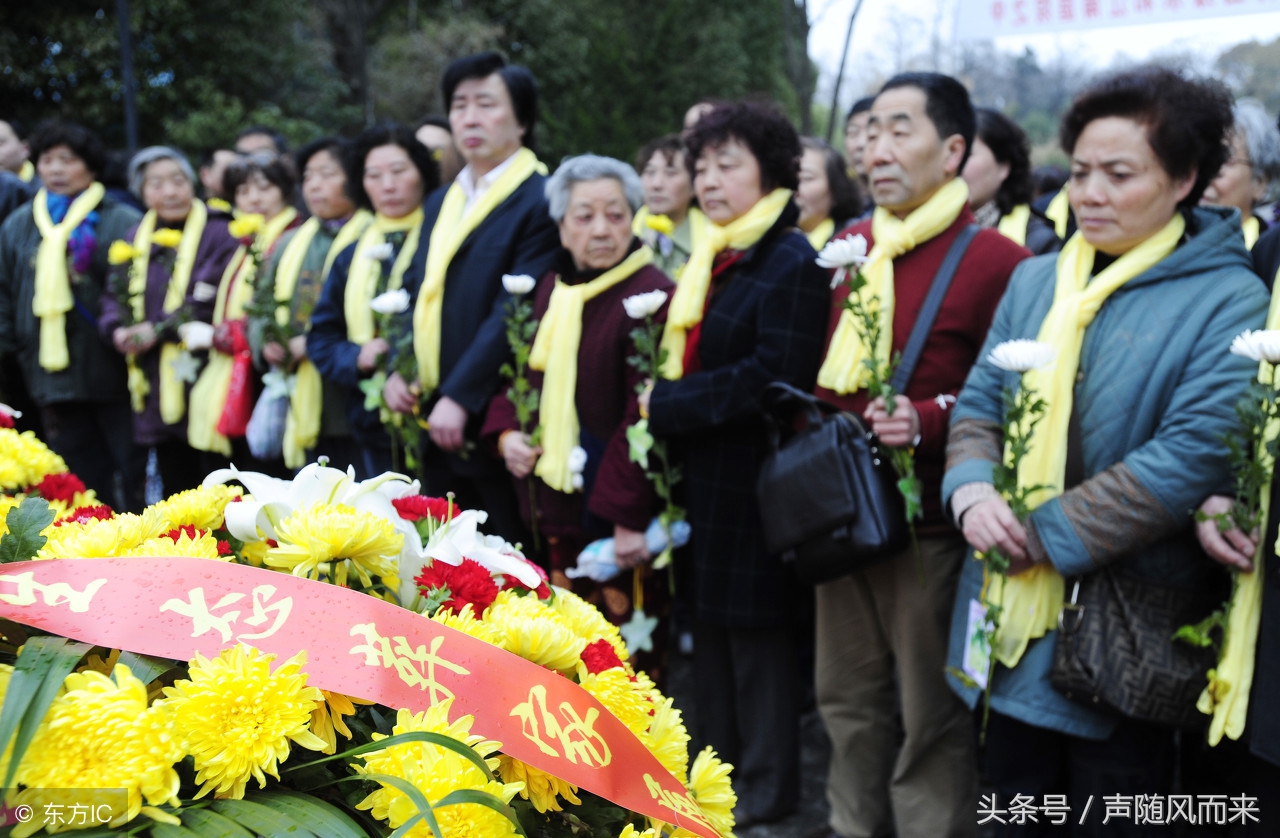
(1059, 212)
(1030, 601)
(555, 353)
(451, 230)
(302, 422)
(210, 389)
(173, 393)
(822, 234)
(1252, 229)
(1226, 698)
(843, 371)
(1014, 225)
(690, 298)
(27, 172)
(53, 298)
(365, 271)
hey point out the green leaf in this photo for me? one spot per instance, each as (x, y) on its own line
(210, 824)
(144, 667)
(372, 389)
(168, 830)
(37, 676)
(25, 521)
(261, 819)
(324, 818)
(447, 742)
(640, 443)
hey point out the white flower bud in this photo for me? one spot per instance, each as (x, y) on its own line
(577, 459)
(847, 252)
(1022, 355)
(391, 302)
(645, 305)
(518, 284)
(378, 252)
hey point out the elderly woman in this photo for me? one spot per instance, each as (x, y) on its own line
(263, 185)
(392, 174)
(53, 277)
(668, 193)
(1244, 181)
(827, 197)
(317, 422)
(998, 172)
(1140, 308)
(170, 286)
(751, 308)
(588, 389)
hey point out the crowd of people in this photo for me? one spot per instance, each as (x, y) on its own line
(435, 301)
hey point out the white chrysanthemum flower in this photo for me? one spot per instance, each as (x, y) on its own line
(391, 302)
(1022, 355)
(378, 252)
(847, 252)
(518, 284)
(577, 459)
(1260, 345)
(640, 306)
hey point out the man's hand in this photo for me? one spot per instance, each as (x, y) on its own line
(898, 430)
(274, 354)
(518, 454)
(448, 420)
(298, 347)
(398, 395)
(1232, 548)
(629, 548)
(134, 340)
(370, 353)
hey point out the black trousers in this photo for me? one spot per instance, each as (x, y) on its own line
(96, 441)
(1020, 759)
(181, 467)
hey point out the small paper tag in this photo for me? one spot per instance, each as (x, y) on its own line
(977, 645)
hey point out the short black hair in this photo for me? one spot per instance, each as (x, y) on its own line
(342, 149)
(392, 133)
(438, 120)
(1049, 178)
(669, 144)
(846, 200)
(519, 82)
(209, 154)
(762, 128)
(1188, 121)
(276, 168)
(82, 142)
(861, 106)
(277, 139)
(946, 103)
(1010, 146)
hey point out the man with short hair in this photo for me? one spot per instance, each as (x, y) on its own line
(491, 221)
(855, 144)
(261, 138)
(882, 631)
(213, 167)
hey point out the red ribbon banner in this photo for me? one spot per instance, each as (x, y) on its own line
(356, 645)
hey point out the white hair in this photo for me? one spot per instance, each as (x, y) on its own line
(138, 165)
(587, 167)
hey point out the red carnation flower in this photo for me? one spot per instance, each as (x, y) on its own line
(6, 419)
(599, 656)
(224, 548)
(542, 591)
(82, 514)
(468, 582)
(186, 529)
(416, 507)
(61, 487)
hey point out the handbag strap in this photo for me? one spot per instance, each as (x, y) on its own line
(929, 311)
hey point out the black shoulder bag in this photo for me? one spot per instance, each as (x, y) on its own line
(829, 500)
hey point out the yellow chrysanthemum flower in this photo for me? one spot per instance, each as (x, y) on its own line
(313, 538)
(121, 252)
(202, 508)
(588, 623)
(541, 789)
(627, 700)
(237, 717)
(710, 786)
(100, 734)
(668, 738)
(630, 831)
(25, 460)
(167, 237)
(203, 546)
(99, 538)
(660, 223)
(255, 552)
(327, 718)
(248, 224)
(535, 632)
(465, 621)
(7, 502)
(436, 772)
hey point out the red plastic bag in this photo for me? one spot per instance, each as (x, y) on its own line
(239, 405)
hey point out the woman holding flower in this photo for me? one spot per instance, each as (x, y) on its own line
(263, 186)
(180, 250)
(749, 310)
(317, 420)
(392, 173)
(53, 277)
(669, 222)
(588, 486)
(1139, 308)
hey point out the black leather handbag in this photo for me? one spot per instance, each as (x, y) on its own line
(829, 500)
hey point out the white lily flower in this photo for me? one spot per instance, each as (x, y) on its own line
(640, 306)
(1022, 355)
(462, 539)
(577, 459)
(518, 284)
(391, 302)
(10, 412)
(1259, 345)
(378, 252)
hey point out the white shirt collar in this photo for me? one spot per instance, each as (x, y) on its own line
(473, 188)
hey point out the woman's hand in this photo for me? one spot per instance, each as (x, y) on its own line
(518, 454)
(398, 395)
(991, 523)
(134, 340)
(370, 353)
(629, 548)
(1232, 548)
(274, 354)
(298, 347)
(448, 420)
(898, 430)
